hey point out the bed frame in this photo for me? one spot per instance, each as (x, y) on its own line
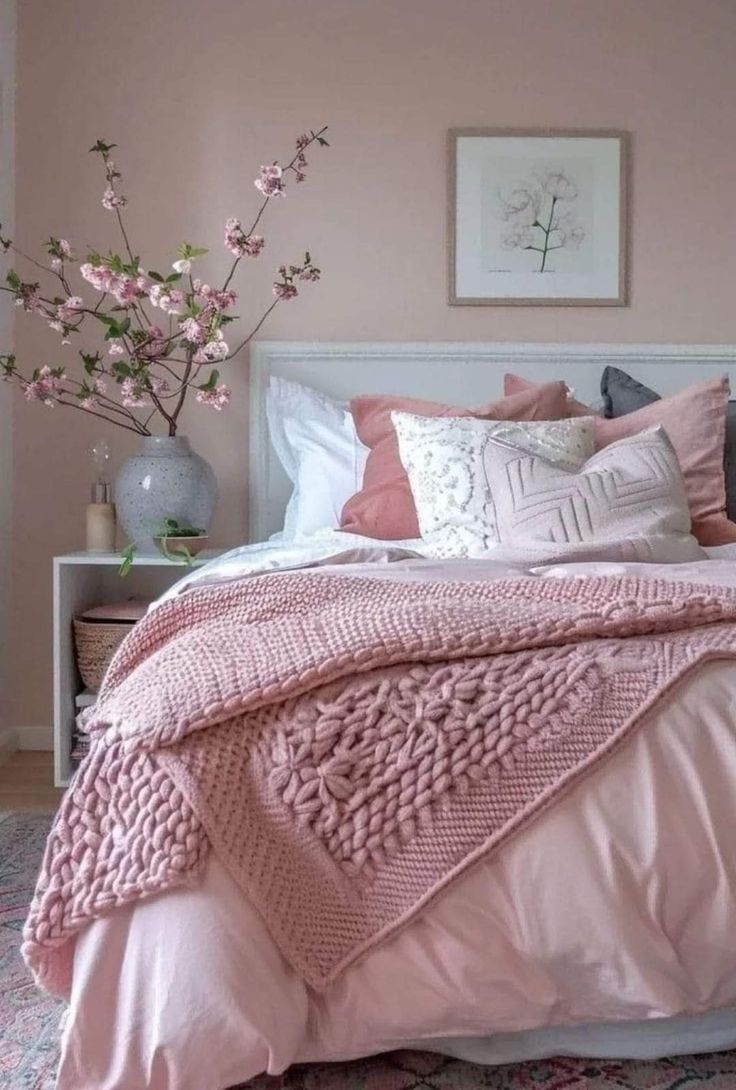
(468, 373)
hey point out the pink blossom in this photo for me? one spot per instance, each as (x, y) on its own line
(116, 349)
(309, 272)
(170, 300)
(270, 181)
(111, 200)
(302, 141)
(217, 300)
(99, 276)
(158, 385)
(284, 291)
(132, 394)
(45, 387)
(69, 310)
(88, 399)
(217, 399)
(184, 265)
(65, 249)
(29, 298)
(155, 344)
(56, 264)
(212, 351)
(192, 331)
(240, 244)
(127, 289)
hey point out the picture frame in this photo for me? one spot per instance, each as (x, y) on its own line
(538, 217)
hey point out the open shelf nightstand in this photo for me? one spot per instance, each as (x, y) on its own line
(83, 580)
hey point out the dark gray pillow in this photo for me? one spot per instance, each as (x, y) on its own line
(622, 394)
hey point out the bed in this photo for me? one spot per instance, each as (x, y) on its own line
(597, 920)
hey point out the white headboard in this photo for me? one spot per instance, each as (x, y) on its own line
(456, 372)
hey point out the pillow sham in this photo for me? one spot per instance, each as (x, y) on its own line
(695, 422)
(514, 384)
(444, 461)
(384, 507)
(632, 493)
(623, 394)
(315, 440)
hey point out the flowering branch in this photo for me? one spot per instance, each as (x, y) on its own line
(144, 368)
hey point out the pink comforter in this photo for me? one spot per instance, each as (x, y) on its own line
(507, 947)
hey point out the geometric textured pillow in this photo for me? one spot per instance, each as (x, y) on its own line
(443, 459)
(632, 489)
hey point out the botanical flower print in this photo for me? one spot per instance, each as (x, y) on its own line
(162, 334)
(540, 216)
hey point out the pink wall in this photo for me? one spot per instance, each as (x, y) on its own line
(197, 95)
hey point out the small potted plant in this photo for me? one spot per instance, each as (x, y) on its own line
(178, 542)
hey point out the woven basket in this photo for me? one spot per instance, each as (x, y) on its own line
(97, 635)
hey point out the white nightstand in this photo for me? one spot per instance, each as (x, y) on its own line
(83, 580)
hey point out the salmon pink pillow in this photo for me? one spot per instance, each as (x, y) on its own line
(384, 507)
(514, 384)
(695, 422)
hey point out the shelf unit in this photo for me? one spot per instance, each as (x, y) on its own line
(83, 580)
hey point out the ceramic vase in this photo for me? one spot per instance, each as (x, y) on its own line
(166, 479)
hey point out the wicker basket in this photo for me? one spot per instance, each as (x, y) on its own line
(97, 635)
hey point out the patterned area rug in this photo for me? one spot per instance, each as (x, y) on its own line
(425, 1071)
(29, 1025)
(29, 1021)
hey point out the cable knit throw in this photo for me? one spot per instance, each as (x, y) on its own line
(349, 745)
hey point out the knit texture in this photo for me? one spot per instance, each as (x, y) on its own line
(349, 745)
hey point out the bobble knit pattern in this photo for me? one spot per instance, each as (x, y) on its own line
(350, 745)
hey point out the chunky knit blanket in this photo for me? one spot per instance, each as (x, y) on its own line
(349, 745)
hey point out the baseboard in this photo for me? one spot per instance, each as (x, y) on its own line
(8, 742)
(34, 737)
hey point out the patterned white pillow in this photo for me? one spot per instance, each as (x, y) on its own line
(444, 461)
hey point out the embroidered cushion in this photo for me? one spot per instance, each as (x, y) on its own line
(444, 461)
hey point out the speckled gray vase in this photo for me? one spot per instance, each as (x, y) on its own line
(165, 480)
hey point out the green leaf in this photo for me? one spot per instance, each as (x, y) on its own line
(13, 280)
(102, 147)
(173, 278)
(212, 381)
(126, 560)
(157, 277)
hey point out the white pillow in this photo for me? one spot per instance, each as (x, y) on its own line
(629, 494)
(315, 439)
(443, 459)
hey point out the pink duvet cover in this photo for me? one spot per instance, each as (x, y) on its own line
(619, 904)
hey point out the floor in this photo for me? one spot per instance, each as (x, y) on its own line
(26, 783)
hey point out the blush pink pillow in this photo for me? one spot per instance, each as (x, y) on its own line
(514, 384)
(695, 422)
(384, 507)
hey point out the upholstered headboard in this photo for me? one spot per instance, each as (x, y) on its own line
(459, 373)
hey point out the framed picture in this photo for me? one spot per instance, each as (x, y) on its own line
(538, 218)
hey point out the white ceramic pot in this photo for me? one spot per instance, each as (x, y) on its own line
(165, 480)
